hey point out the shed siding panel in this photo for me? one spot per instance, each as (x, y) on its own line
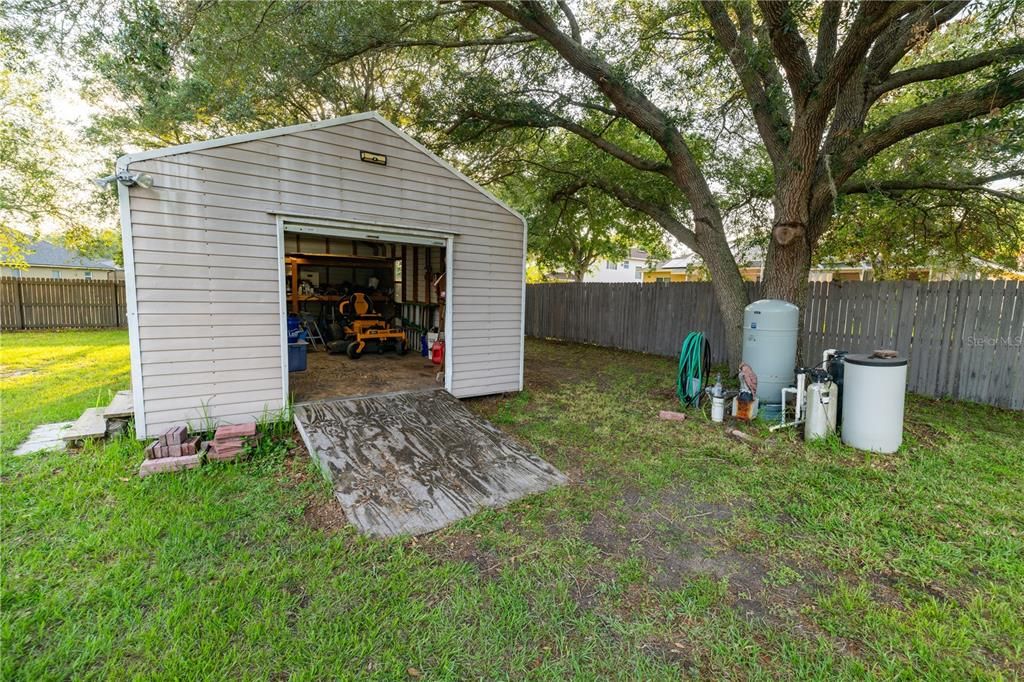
(205, 247)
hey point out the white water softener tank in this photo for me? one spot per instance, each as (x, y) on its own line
(769, 345)
(874, 390)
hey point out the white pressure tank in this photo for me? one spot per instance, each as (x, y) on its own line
(874, 391)
(769, 345)
(822, 396)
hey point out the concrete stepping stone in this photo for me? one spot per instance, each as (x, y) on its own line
(121, 406)
(45, 437)
(92, 424)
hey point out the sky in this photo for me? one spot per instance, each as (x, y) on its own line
(73, 114)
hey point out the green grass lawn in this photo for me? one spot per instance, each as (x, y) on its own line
(53, 376)
(675, 551)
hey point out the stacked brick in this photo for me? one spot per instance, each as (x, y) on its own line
(228, 442)
(175, 450)
(173, 443)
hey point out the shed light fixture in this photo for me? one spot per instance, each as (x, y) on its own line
(373, 157)
(143, 180)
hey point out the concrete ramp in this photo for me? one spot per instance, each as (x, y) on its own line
(411, 463)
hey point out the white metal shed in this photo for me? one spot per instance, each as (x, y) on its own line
(204, 248)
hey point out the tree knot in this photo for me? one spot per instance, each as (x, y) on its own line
(784, 233)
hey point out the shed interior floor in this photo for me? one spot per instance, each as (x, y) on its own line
(338, 376)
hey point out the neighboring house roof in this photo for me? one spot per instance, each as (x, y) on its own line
(638, 254)
(44, 254)
(678, 263)
(982, 263)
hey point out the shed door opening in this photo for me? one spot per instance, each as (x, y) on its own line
(368, 306)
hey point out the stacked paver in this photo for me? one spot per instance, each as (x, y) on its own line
(175, 450)
(228, 442)
(172, 451)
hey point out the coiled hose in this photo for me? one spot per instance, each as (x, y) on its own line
(694, 369)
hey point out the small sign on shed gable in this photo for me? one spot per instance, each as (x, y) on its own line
(371, 157)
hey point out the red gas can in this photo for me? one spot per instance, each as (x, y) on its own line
(437, 352)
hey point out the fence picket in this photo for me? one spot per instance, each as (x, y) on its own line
(36, 303)
(941, 328)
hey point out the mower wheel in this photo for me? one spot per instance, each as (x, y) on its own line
(353, 350)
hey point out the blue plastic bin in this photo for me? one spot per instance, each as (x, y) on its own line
(295, 330)
(297, 356)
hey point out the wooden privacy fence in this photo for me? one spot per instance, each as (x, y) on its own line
(61, 303)
(963, 339)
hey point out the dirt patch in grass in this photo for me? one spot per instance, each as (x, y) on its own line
(462, 548)
(324, 514)
(676, 535)
(322, 511)
(679, 538)
(662, 394)
(560, 364)
(924, 433)
(549, 375)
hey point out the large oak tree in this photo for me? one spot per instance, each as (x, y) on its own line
(691, 110)
(815, 79)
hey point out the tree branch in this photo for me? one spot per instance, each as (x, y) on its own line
(773, 127)
(574, 28)
(946, 69)
(627, 157)
(899, 38)
(627, 99)
(971, 185)
(828, 35)
(657, 213)
(871, 20)
(789, 47)
(546, 119)
(593, 106)
(380, 43)
(942, 111)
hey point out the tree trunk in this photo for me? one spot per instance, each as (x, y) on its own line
(730, 291)
(786, 269)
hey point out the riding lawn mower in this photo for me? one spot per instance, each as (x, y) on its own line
(365, 329)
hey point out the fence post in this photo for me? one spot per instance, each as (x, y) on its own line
(21, 303)
(113, 291)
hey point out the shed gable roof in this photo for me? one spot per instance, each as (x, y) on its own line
(127, 159)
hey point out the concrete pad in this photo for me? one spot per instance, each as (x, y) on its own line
(92, 424)
(44, 437)
(120, 406)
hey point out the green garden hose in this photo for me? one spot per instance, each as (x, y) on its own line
(694, 368)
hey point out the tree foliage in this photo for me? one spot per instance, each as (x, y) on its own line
(784, 122)
(41, 168)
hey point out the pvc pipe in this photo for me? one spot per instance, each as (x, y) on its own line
(801, 385)
(785, 425)
(798, 412)
(796, 415)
